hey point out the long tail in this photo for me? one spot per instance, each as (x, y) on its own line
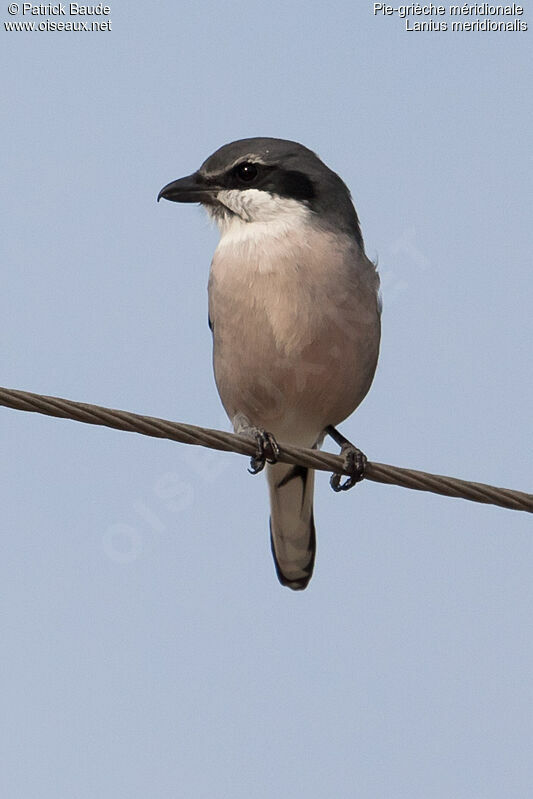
(292, 529)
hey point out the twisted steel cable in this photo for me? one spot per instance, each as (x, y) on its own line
(229, 442)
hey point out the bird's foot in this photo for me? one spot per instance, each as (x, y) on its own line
(267, 450)
(267, 447)
(354, 462)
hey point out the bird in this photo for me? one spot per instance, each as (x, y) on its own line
(294, 311)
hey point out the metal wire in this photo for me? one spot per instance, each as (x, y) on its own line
(229, 442)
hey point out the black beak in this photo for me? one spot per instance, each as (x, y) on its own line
(192, 189)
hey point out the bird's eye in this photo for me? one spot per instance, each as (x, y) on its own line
(246, 172)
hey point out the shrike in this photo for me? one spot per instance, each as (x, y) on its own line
(295, 316)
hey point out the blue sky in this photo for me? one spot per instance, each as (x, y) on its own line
(148, 649)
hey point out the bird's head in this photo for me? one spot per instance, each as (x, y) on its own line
(264, 179)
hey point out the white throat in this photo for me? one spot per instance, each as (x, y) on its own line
(252, 215)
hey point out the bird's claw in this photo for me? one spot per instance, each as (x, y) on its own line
(355, 463)
(267, 451)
